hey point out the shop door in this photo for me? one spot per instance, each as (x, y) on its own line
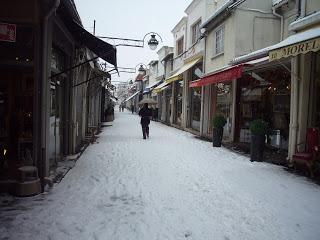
(195, 108)
(55, 144)
(168, 106)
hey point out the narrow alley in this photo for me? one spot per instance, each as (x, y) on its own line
(170, 186)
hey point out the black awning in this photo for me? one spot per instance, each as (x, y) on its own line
(102, 49)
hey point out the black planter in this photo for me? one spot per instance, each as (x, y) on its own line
(217, 137)
(256, 148)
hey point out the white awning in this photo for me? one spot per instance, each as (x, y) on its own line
(295, 44)
(133, 95)
(184, 68)
(160, 87)
(151, 85)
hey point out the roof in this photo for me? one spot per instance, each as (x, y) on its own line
(191, 6)
(182, 21)
(218, 12)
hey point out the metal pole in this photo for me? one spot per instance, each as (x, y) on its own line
(94, 27)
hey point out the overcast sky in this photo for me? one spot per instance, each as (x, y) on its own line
(132, 19)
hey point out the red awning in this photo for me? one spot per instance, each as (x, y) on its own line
(226, 74)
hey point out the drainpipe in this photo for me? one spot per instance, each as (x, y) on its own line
(281, 21)
(302, 8)
(44, 87)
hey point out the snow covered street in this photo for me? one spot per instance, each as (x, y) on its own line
(171, 186)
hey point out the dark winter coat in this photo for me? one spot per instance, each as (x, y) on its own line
(145, 114)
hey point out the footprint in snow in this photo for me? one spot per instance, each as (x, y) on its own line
(187, 234)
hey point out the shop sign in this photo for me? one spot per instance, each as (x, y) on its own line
(295, 49)
(8, 32)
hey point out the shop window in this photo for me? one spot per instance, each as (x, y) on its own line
(224, 105)
(265, 94)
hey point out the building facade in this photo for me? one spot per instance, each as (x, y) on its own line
(40, 42)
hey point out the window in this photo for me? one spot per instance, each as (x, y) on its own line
(180, 46)
(195, 31)
(219, 40)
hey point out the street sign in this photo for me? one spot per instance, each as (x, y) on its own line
(8, 32)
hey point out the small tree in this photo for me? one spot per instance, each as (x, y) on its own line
(218, 123)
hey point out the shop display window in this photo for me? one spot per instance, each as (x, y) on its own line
(224, 106)
(178, 98)
(265, 95)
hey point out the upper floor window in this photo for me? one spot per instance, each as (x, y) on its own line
(195, 32)
(219, 40)
(180, 46)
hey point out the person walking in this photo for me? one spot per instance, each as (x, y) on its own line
(132, 108)
(145, 113)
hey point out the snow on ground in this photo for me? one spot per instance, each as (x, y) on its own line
(171, 186)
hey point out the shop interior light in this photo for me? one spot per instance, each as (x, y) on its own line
(17, 58)
(4, 152)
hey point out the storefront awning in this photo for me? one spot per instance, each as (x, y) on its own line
(161, 87)
(300, 43)
(102, 49)
(133, 95)
(154, 84)
(185, 67)
(222, 75)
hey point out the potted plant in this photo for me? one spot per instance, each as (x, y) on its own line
(218, 123)
(258, 130)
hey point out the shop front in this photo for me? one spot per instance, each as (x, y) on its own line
(264, 93)
(168, 102)
(164, 92)
(224, 106)
(178, 91)
(221, 99)
(17, 99)
(194, 98)
(302, 49)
